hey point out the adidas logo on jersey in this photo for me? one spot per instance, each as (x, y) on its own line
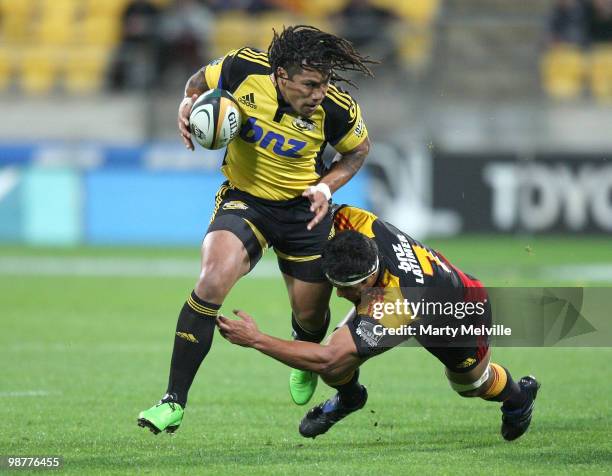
(248, 100)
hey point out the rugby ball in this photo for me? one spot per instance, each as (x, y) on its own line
(214, 119)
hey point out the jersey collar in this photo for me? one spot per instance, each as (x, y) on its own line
(382, 267)
(283, 106)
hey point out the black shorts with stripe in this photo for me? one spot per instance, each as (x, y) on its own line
(261, 223)
(459, 354)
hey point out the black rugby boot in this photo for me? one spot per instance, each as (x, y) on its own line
(516, 421)
(325, 415)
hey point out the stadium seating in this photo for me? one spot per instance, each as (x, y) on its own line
(414, 35)
(43, 42)
(21, 7)
(232, 30)
(266, 22)
(15, 20)
(105, 8)
(601, 72)
(415, 46)
(416, 12)
(6, 67)
(563, 71)
(38, 67)
(320, 9)
(55, 27)
(99, 31)
(84, 69)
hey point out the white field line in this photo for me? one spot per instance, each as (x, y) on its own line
(72, 347)
(27, 393)
(188, 268)
(114, 266)
(601, 272)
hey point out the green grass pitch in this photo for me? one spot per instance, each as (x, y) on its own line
(82, 355)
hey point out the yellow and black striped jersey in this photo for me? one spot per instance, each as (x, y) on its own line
(277, 154)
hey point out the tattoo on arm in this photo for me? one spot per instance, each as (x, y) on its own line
(345, 166)
(197, 83)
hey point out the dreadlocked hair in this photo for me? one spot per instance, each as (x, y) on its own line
(304, 46)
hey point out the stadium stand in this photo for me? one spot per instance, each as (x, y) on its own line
(43, 43)
(49, 45)
(416, 40)
(321, 9)
(266, 22)
(6, 67)
(99, 31)
(107, 8)
(569, 68)
(415, 12)
(231, 31)
(15, 20)
(601, 72)
(38, 68)
(488, 49)
(84, 69)
(563, 70)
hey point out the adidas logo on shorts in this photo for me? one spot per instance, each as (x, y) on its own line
(235, 205)
(248, 100)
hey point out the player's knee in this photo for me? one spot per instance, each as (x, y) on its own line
(214, 283)
(469, 393)
(311, 318)
(473, 388)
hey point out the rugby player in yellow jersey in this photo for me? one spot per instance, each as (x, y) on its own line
(373, 264)
(277, 191)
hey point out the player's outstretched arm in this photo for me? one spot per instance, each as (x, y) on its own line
(344, 168)
(196, 85)
(297, 354)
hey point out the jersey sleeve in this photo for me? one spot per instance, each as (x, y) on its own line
(344, 125)
(353, 218)
(217, 71)
(229, 71)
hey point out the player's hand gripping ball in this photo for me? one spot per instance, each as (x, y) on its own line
(215, 119)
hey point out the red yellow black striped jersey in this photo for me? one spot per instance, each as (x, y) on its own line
(406, 264)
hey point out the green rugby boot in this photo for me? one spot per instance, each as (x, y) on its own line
(166, 416)
(302, 384)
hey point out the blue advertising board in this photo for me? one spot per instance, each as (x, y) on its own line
(154, 194)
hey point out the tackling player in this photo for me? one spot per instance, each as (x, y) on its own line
(277, 191)
(372, 263)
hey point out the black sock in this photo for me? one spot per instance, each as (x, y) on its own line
(194, 334)
(302, 334)
(516, 397)
(350, 392)
(504, 389)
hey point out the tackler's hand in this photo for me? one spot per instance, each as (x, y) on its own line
(241, 331)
